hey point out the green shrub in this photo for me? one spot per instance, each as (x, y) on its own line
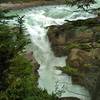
(23, 83)
(69, 70)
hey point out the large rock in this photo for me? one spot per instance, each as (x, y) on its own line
(81, 31)
(89, 65)
(79, 58)
(89, 79)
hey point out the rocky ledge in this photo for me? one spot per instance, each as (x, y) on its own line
(80, 41)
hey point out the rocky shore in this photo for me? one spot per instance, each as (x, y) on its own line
(80, 41)
(22, 5)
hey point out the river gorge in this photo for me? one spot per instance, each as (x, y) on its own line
(37, 22)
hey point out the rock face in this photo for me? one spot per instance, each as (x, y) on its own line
(74, 31)
(58, 39)
(80, 41)
(87, 65)
(78, 58)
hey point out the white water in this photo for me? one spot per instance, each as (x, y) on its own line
(36, 21)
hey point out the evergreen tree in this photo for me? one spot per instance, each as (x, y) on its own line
(12, 41)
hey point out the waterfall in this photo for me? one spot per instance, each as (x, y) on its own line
(36, 21)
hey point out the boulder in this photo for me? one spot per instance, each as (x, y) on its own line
(78, 58)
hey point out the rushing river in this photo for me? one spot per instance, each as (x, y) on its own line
(36, 21)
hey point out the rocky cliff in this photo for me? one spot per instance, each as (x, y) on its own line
(80, 41)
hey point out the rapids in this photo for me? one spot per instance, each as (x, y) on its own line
(37, 20)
